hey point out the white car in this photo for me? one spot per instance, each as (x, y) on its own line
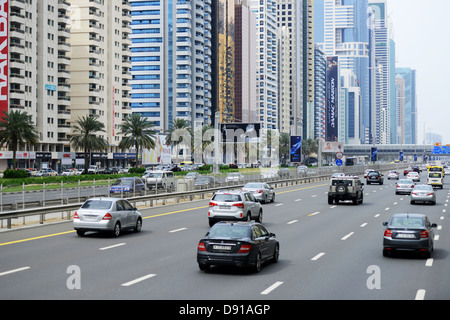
(235, 176)
(446, 171)
(68, 172)
(414, 176)
(393, 175)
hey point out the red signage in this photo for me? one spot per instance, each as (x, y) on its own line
(4, 85)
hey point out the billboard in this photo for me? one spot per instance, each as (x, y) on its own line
(374, 154)
(161, 154)
(4, 85)
(332, 98)
(333, 147)
(296, 149)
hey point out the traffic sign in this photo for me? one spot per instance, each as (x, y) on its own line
(339, 162)
(339, 155)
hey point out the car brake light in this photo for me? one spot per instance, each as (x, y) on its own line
(201, 246)
(75, 216)
(430, 194)
(107, 217)
(414, 193)
(245, 248)
(212, 204)
(260, 191)
(412, 186)
(239, 205)
(388, 233)
(424, 234)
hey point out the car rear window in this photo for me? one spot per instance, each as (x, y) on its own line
(97, 204)
(226, 197)
(229, 231)
(406, 222)
(346, 182)
(434, 175)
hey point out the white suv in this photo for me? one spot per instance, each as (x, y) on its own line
(346, 188)
(234, 205)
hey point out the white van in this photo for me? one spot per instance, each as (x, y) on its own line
(159, 179)
(435, 179)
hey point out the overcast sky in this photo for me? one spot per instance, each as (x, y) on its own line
(421, 34)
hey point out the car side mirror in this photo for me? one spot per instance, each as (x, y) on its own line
(385, 223)
(434, 225)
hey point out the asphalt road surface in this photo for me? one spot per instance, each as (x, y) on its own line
(327, 252)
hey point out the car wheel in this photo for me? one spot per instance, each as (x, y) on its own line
(276, 254)
(258, 263)
(273, 197)
(211, 222)
(138, 226)
(260, 216)
(80, 233)
(116, 230)
(330, 200)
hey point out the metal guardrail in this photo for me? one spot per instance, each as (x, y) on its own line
(68, 208)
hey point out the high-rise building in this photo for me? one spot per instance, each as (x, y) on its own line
(400, 108)
(346, 35)
(382, 75)
(171, 61)
(38, 70)
(267, 59)
(291, 67)
(410, 103)
(100, 64)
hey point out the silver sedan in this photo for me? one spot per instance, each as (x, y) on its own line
(107, 214)
(261, 191)
(423, 193)
(404, 186)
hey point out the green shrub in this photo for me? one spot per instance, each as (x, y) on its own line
(15, 174)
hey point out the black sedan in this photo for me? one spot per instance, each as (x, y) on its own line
(408, 232)
(241, 244)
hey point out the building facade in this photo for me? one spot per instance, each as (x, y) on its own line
(410, 103)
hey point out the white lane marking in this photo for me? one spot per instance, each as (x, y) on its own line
(314, 195)
(332, 207)
(429, 262)
(292, 222)
(377, 215)
(279, 204)
(363, 225)
(347, 236)
(439, 227)
(420, 295)
(113, 246)
(318, 256)
(272, 287)
(177, 230)
(313, 214)
(387, 209)
(13, 271)
(127, 284)
(297, 200)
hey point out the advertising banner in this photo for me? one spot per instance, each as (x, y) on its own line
(296, 149)
(4, 73)
(332, 98)
(161, 154)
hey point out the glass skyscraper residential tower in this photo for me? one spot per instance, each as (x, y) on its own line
(171, 61)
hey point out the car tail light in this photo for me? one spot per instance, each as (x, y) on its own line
(431, 193)
(201, 246)
(245, 248)
(212, 204)
(260, 191)
(412, 186)
(414, 193)
(388, 233)
(107, 217)
(239, 205)
(75, 216)
(424, 234)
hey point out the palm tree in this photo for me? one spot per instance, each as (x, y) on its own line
(179, 128)
(16, 129)
(285, 147)
(137, 132)
(84, 137)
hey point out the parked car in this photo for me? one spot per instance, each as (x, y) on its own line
(68, 172)
(235, 177)
(423, 193)
(159, 179)
(46, 173)
(374, 177)
(243, 244)
(127, 184)
(261, 191)
(107, 214)
(234, 205)
(404, 186)
(414, 176)
(393, 174)
(408, 231)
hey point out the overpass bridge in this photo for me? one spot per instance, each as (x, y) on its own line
(392, 152)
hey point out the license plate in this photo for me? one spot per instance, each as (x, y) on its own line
(217, 247)
(224, 207)
(406, 236)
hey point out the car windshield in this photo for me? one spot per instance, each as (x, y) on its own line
(155, 175)
(125, 182)
(406, 222)
(253, 185)
(229, 231)
(97, 204)
(226, 197)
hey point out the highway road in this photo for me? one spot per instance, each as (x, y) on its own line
(327, 252)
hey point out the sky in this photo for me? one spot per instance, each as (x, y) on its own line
(421, 34)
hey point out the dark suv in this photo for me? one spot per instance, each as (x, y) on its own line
(375, 176)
